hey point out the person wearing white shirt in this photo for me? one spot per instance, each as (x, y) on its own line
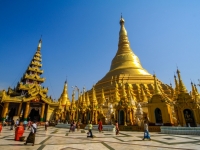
(31, 136)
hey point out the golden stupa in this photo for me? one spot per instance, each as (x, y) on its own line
(126, 68)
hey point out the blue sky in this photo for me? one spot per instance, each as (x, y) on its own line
(80, 39)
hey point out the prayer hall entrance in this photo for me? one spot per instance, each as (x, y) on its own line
(34, 114)
(158, 116)
(189, 118)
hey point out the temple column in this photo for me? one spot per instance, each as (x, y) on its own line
(47, 114)
(5, 111)
(183, 118)
(125, 118)
(130, 117)
(96, 117)
(27, 110)
(19, 109)
(42, 112)
(133, 117)
(92, 116)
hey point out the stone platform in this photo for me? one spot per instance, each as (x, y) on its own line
(180, 130)
(62, 139)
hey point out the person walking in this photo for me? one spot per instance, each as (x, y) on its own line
(100, 126)
(46, 125)
(89, 134)
(146, 131)
(31, 136)
(116, 127)
(12, 124)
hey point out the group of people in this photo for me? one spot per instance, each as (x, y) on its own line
(100, 128)
(74, 125)
(146, 130)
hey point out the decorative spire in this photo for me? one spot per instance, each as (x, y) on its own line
(39, 44)
(182, 88)
(129, 91)
(87, 99)
(131, 61)
(33, 74)
(156, 88)
(176, 86)
(83, 100)
(64, 96)
(194, 93)
(124, 95)
(143, 95)
(94, 98)
(196, 89)
(73, 104)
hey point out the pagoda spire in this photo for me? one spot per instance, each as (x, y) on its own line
(33, 73)
(196, 89)
(194, 92)
(73, 97)
(124, 95)
(87, 99)
(83, 99)
(182, 88)
(131, 61)
(156, 88)
(64, 96)
(143, 95)
(94, 98)
(176, 86)
(39, 44)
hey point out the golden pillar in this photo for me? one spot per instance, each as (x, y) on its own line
(96, 122)
(125, 118)
(130, 117)
(19, 110)
(27, 110)
(42, 112)
(5, 111)
(133, 117)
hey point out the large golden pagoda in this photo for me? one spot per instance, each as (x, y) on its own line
(126, 68)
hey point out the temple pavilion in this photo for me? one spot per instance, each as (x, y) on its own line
(127, 93)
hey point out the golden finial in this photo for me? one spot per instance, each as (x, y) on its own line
(182, 88)
(121, 20)
(40, 44)
(156, 88)
(194, 93)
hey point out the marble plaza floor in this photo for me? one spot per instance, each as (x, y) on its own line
(61, 139)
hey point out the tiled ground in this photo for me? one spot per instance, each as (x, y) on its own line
(61, 139)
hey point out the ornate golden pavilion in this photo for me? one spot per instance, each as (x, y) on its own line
(127, 93)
